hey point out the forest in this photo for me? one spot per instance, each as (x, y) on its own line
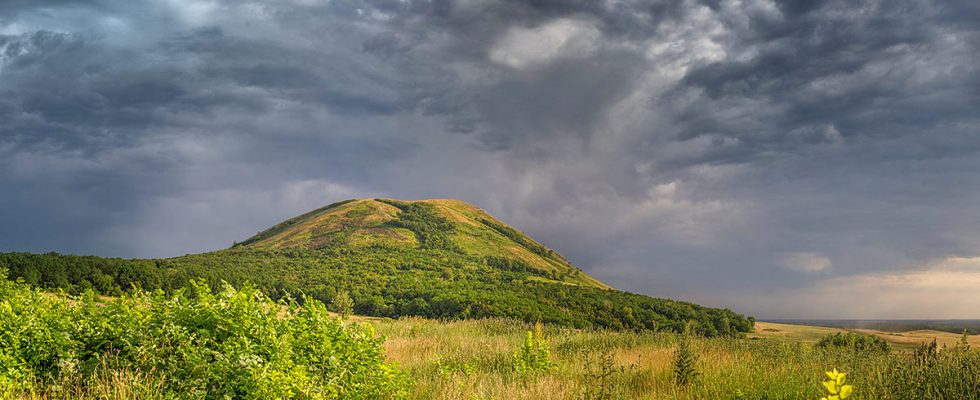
(385, 282)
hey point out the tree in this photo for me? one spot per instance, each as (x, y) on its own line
(342, 304)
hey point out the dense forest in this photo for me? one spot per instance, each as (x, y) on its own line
(425, 283)
(436, 277)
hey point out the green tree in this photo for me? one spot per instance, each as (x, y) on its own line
(342, 304)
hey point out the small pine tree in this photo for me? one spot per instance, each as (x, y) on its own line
(342, 304)
(601, 373)
(685, 359)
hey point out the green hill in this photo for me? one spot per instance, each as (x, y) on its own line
(432, 258)
(428, 224)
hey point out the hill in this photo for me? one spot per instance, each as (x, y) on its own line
(433, 258)
(429, 224)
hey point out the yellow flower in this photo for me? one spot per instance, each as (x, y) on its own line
(836, 387)
(836, 376)
(831, 386)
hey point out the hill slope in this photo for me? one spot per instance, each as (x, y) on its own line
(430, 258)
(427, 224)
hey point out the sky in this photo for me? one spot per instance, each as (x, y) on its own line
(798, 159)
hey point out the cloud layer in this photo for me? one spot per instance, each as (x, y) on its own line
(715, 151)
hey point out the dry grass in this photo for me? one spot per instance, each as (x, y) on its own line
(472, 360)
(903, 341)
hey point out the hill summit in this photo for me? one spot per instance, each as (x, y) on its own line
(444, 224)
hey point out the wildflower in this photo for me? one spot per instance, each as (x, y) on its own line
(835, 386)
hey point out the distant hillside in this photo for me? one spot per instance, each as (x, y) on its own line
(426, 224)
(956, 326)
(430, 258)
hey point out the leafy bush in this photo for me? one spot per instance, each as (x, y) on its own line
(854, 341)
(191, 344)
(533, 355)
(342, 304)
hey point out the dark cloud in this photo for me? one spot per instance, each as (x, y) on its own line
(709, 151)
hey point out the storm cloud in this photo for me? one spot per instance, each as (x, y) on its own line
(750, 154)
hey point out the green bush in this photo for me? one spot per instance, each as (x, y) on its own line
(533, 355)
(190, 344)
(342, 304)
(854, 341)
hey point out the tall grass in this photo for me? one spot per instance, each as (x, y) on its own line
(627, 365)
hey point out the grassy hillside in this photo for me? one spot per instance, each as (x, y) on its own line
(432, 224)
(434, 258)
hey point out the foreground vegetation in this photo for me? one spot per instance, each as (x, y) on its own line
(189, 345)
(474, 360)
(240, 344)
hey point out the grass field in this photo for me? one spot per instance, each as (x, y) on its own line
(473, 360)
(242, 345)
(899, 341)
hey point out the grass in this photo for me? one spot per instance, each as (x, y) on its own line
(478, 359)
(641, 363)
(901, 341)
(474, 360)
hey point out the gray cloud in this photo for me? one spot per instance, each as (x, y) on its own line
(709, 151)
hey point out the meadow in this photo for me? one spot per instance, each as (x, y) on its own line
(241, 344)
(474, 360)
(899, 341)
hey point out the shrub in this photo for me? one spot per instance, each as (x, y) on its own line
(232, 344)
(342, 304)
(533, 355)
(854, 341)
